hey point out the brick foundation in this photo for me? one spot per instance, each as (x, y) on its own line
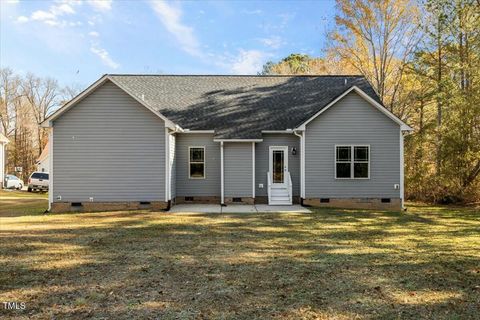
(107, 206)
(264, 200)
(245, 200)
(205, 200)
(213, 200)
(395, 204)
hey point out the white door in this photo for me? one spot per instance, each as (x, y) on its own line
(279, 165)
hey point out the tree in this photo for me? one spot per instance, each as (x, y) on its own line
(42, 96)
(377, 38)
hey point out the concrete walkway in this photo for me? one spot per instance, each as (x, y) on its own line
(235, 208)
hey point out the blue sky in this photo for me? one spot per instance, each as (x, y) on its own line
(78, 41)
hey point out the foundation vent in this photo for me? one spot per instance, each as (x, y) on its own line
(324, 200)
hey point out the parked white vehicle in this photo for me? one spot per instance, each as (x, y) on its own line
(13, 182)
(38, 181)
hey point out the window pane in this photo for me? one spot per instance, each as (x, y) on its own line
(360, 170)
(278, 163)
(343, 154)
(361, 153)
(197, 170)
(343, 170)
(196, 154)
(39, 175)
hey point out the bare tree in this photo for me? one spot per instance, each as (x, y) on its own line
(42, 96)
(9, 97)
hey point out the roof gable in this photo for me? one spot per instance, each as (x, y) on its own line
(366, 97)
(89, 90)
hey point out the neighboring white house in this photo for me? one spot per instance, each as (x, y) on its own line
(42, 162)
(3, 143)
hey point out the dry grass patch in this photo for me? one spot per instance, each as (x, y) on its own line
(330, 264)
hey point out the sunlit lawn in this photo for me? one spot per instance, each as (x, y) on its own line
(331, 264)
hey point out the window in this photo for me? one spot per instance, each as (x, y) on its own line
(196, 163)
(39, 175)
(352, 162)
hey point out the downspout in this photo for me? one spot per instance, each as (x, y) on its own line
(50, 168)
(402, 172)
(222, 199)
(302, 165)
(167, 167)
(169, 182)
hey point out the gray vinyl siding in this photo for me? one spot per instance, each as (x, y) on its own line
(262, 161)
(109, 147)
(210, 186)
(173, 166)
(238, 169)
(352, 120)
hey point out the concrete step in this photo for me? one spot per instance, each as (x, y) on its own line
(280, 203)
(280, 198)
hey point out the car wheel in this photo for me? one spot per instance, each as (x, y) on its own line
(20, 187)
(29, 189)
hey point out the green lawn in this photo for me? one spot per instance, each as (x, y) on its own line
(330, 264)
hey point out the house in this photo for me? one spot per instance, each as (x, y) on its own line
(150, 141)
(43, 162)
(3, 143)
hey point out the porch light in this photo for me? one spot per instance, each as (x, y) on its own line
(294, 151)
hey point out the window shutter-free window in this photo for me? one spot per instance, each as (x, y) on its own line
(352, 162)
(197, 162)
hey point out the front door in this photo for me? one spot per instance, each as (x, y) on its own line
(279, 165)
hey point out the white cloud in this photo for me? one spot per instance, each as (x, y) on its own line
(249, 62)
(101, 5)
(94, 34)
(22, 19)
(104, 56)
(274, 42)
(170, 16)
(51, 17)
(257, 11)
(42, 15)
(62, 9)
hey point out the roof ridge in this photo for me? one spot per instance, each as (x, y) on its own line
(239, 76)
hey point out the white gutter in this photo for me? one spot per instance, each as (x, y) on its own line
(167, 162)
(198, 131)
(402, 171)
(222, 200)
(50, 168)
(253, 170)
(302, 162)
(237, 140)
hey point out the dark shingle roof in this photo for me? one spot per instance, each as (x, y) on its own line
(239, 107)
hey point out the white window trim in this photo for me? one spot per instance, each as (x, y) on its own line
(204, 163)
(270, 161)
(352, 161)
